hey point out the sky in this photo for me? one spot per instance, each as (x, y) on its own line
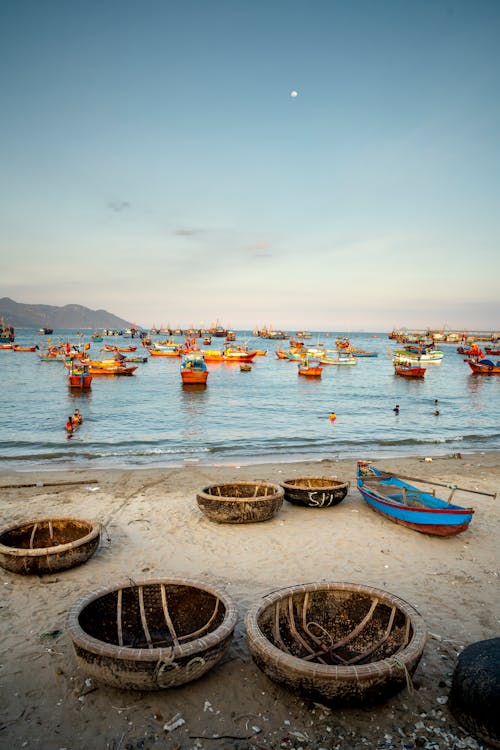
(153, 162)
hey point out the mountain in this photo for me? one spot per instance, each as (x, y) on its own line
(20, 315)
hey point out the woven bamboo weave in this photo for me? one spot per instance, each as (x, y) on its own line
(315, 492)
(45, 545)
(240, 502)
(338, 643)
(151, 634)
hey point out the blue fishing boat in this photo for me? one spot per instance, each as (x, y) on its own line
(405, 504)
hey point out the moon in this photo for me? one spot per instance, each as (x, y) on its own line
(294, 93)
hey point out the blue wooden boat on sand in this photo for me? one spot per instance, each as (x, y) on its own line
(405, 504)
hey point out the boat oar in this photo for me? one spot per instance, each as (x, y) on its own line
(440, 484)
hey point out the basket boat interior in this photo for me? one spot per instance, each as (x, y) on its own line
(154, 615)
(46, 533)
(336, 627)
(241, 490)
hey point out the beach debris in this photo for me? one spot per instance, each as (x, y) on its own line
(55, 634)
(174, 723)
(92, 489)
(207, 706)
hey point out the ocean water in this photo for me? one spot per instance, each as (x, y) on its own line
(267, 414)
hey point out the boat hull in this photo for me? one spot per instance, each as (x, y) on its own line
(409, 372)
(429, 516)
(485, 367)
(194, 378)
(80, 381)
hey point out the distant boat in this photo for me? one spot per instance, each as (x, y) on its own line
(406, 505)
(311, 369)
(484, 366)
(194, 370)
(46, 331)
(79, 376)
(409, 371)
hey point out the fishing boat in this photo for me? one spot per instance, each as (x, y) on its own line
(46, 331)
(409, 371)
(484, 366)
(310, 368)
(124, 349)
(170, 350)
(79, 375)
(111, 367)
(212, 355)
(5, 346)
(492, 352)
(340, 359)
(429, 356)
(18, 348)
(238, 354)
(363, 353)
(404, 504)
(194, 370)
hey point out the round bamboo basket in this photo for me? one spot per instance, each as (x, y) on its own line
(240, 502)
(151, 634)
(46, 545)
(338, 643)
(315, 492)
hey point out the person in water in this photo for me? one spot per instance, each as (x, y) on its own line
(396, 409)
(77, 417)
(69, 426)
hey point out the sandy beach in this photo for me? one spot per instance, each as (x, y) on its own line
(152, 527)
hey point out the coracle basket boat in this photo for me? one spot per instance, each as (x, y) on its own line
(151, 634)
(46, 545)
(315, 492)
(337, 643)
(240, 502)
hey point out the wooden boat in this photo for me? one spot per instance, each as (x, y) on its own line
(409, 371)
(310, 369)
(45, 545)
(194, 370)
(172, 350)
(341, 359)
(151, 634)
(5, 346)
(260, 352)
(315, 492)
(79, 376)
(238, 354)
(417, 355)
(240, 502)
(123, 349)
(18, 348)
(406, 505)
(484, 366)
(46, 331)
(113, 368)
(343, 644)
(492, 352)
(212, 355)
(363, 353)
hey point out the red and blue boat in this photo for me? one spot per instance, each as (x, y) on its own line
(406, 505)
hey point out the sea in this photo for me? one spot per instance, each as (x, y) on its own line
(267, 414)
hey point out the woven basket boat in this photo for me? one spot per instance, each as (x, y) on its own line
(240, 502)
(45, 545)
(315, 492)
(152, 634)
(338, 643)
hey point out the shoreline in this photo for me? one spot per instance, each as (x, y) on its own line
(152, 528)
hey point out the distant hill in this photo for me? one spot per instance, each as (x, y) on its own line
(20, 315)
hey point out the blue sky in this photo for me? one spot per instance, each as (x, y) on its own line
(154, 164)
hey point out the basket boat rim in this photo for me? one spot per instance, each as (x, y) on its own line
(203, 493)
(87, 642)
(6, 549)
(333, 483)
(298, 666)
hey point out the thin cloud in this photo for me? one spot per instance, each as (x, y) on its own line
(119, 206)
(186, 232)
